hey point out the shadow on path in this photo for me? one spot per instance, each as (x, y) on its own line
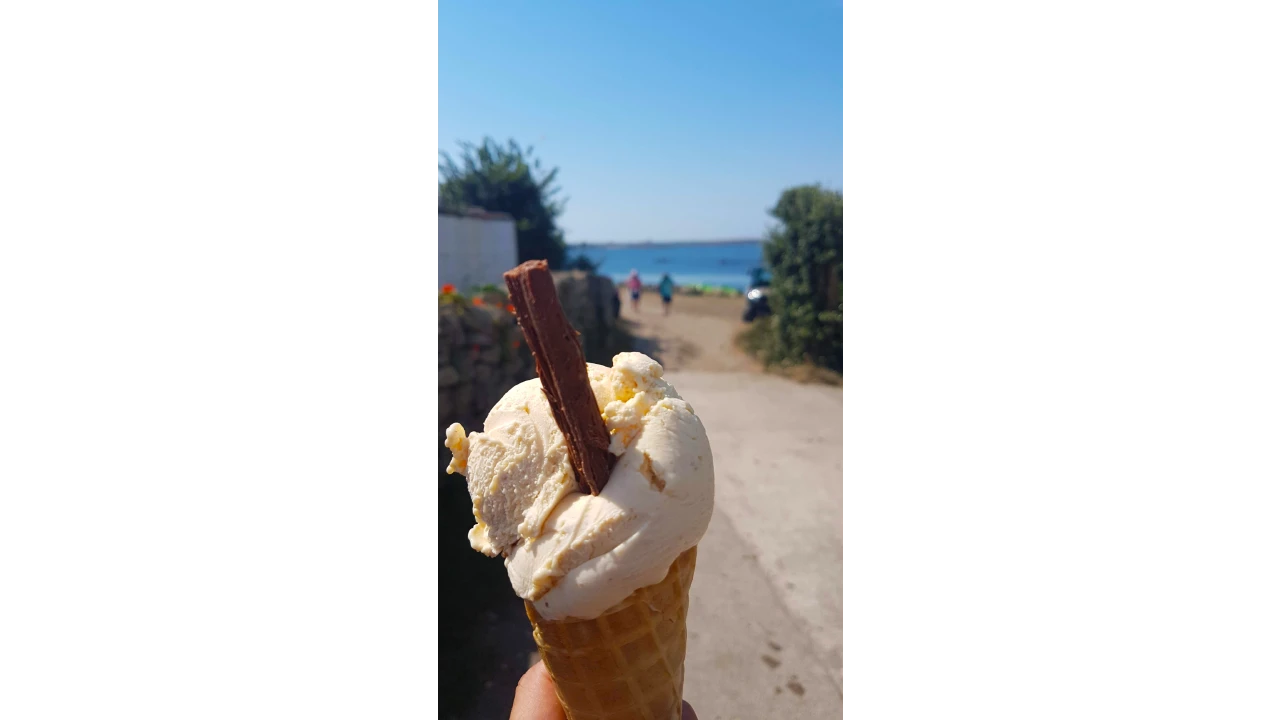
(642, 343)
(698, 334)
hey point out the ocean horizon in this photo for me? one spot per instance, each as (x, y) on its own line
(689, 262)
(638, 243)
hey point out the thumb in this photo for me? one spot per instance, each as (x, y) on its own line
(536, 697)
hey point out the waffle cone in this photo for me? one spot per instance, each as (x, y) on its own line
(627, 664)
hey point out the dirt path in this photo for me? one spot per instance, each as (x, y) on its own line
(765, 615)
(697, 335)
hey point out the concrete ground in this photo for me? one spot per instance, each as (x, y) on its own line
(765, 625)
(765, 620)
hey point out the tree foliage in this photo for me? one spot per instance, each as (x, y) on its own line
(506, 178)
(805, 254)
(582, 262)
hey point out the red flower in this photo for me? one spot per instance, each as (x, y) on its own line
(477, 301)
(511, 309)
(448, 289)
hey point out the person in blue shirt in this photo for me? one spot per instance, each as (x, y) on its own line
(667, 288)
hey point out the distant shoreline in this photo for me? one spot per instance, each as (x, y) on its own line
(662, 243)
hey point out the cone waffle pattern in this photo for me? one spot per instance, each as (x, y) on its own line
(627, 664)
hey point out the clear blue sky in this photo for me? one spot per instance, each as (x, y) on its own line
(668, 120)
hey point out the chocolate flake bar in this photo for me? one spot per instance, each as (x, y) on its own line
(563, 370)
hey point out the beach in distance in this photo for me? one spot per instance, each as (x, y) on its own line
(724, 262)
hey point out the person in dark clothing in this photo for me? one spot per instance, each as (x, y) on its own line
(666, 288)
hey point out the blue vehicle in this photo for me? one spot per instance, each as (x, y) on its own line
(757, 295)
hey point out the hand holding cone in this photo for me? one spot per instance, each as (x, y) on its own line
(627, 664)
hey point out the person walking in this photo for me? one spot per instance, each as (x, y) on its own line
(667, 288)
(633, 284)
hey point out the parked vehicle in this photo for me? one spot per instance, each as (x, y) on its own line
(757, 295)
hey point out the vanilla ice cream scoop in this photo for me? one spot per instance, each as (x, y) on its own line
(575, 554)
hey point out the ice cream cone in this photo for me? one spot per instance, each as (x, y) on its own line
(627, 664)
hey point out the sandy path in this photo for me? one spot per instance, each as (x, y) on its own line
(765, 617)
(697, 335)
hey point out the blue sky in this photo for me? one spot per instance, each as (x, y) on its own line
(668, 120)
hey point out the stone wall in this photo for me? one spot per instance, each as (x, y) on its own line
(591, 302)
(482, 352)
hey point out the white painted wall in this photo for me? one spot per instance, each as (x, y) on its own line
(475, 251)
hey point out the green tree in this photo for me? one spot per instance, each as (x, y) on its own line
(805, 253)
(505, 178)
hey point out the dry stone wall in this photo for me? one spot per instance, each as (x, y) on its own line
(591, 302)
(482, 353)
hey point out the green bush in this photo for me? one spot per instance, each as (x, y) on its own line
(507, 178)
(805, 254)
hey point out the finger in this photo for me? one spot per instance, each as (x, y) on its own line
(536, 697)
(687, 713)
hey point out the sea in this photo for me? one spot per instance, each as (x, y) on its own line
(727, 263)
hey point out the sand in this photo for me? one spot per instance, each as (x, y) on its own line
(697, 335)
